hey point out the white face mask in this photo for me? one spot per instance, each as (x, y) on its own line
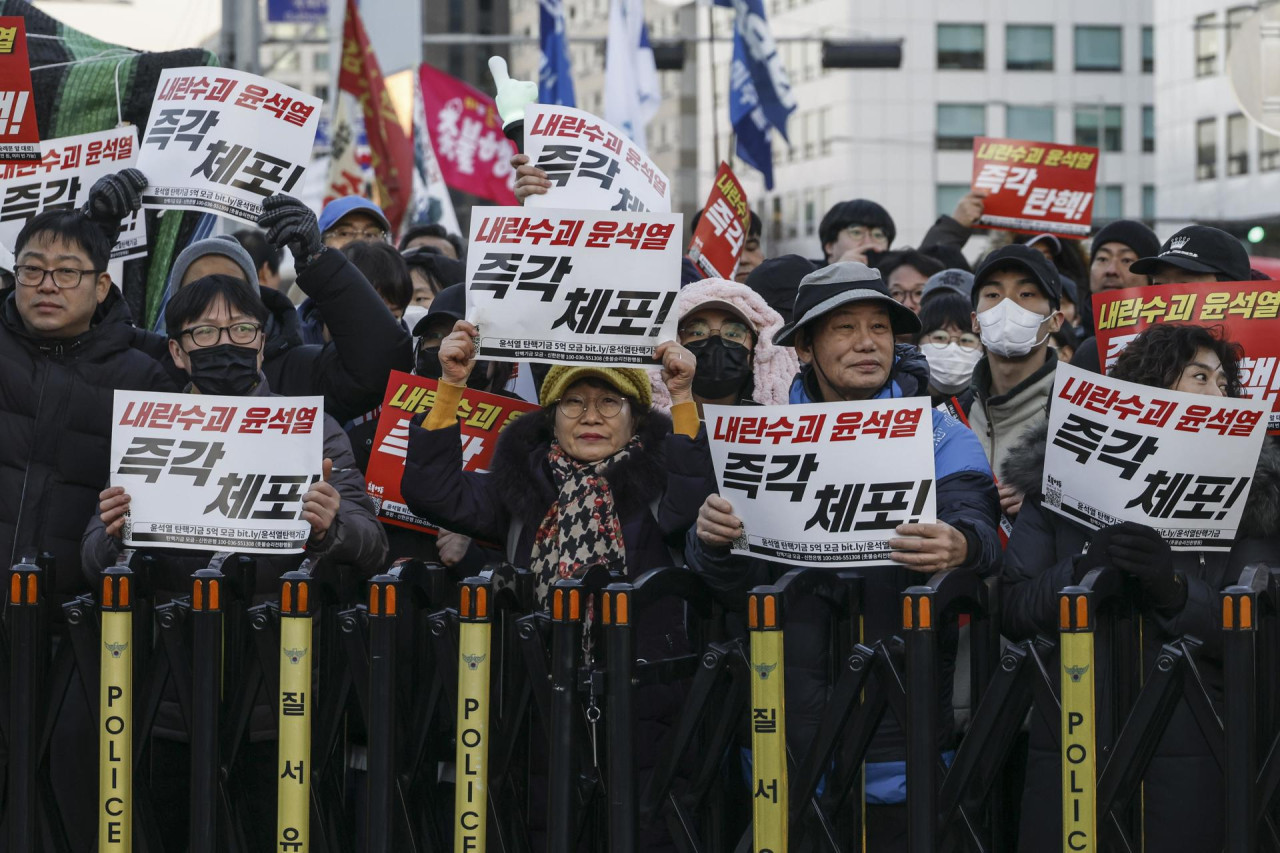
(1010, 330)
(950, 366)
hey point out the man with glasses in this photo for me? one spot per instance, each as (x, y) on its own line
(351, 218)
(861, 230)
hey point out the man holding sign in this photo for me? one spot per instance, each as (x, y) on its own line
(1123, 476)
(843, 329)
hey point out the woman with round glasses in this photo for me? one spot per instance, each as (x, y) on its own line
(950, 346)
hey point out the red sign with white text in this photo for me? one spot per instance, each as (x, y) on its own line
(481, 415)
(722, 230)
(19, 135)
(465, 128)
(1246, 310)
(1035, 187)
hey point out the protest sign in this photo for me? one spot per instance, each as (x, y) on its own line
(722, 230)
(481, 417)
(61, 180)
(591, 164)
(1035, 187)
(259, 136)
(548, 286)
(19, 133)
(212, 473)
(1180, 463)
(474, 155)
(1246, 310)
(824, 483)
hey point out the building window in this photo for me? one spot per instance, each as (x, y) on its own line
(958, 124)
(1235, 19)
(1207, 45)
(962, 46)
(320, 60)
(1034, 123)
(1108, 204)
(1148, 50)
(1268, 151)
(947, 196)
(1237, 145)
(810, 213)
(1206, 149)
(1148, 204)
(322, 92)
(1098, 49)
(1100, 127)
(1028, 48)
(1148, 129)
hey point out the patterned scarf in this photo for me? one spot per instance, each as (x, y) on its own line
(581, 528)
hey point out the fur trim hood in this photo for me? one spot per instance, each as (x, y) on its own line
(773, 367)
(523, 479)
(1025, 469)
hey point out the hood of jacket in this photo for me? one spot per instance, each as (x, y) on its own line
(909, 377)
(772, 367)
(523, 477)
(1024, 469)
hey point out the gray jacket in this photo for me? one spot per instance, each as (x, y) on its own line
(1000, 421)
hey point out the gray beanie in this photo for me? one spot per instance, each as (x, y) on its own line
(226, 246)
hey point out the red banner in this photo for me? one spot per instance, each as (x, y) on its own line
(19, 135)
(482, 416)
(722, 230)
(1035, 187)
(1247, 311)
(391, 150)
(467, 134)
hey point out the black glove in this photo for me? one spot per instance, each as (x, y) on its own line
(1138, 551)
(1096, 557)
(291, 223)
(112, 198)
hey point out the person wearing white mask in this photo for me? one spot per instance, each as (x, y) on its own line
(950, 347)
(1016, 307)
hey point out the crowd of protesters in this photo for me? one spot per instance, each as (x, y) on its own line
(614, 469)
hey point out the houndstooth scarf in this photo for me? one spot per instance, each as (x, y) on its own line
(582, 527)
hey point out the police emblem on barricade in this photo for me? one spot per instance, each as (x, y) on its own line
(294, 655)
(474, 661)
(116, 649)
(1076, 672)
(764, 669)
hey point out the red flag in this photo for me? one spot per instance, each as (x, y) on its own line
(391, 149)
(467, 133)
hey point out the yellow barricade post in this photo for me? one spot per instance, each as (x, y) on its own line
(115, 710)
(293, 779)
(475, 632)
(1079, 747)
(768, 725)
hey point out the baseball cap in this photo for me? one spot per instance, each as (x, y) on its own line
(960, 281)
(840, 284)
(1200, 248)
(1028, 259)
(348, 204)
(450, 302)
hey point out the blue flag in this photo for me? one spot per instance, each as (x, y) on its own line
(555, 78)
(760, 95)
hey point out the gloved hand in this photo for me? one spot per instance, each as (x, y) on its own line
(113, 197)
(1097, 556)
(512, 96)
(290, 223)
(1140, 552)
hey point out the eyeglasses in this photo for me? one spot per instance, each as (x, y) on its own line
(239, 333)
(859, 232)
(348, 234)
(575, 407)
(942, 337)
(731, 332)
(64, 277)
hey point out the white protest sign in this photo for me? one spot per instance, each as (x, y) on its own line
(1180, 463)
(61, 180)
(560, 286)
(825, 482)
(223, 140)
(216, 473)
(591, 164)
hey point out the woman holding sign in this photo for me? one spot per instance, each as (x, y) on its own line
(1179, 596)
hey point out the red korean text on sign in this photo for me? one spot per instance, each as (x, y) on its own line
(1035, 187)
(717, 243)
(19, 135)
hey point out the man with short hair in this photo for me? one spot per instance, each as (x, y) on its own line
(906, 271)
(752, 249)
(861, 230)
(266, 257)
(1197, 253)
(1114, 249)
(433, 236)
(350, 218)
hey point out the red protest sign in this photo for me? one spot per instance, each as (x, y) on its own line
(19, 135)
(1035, 187)
(482, 416)
(1247, 311)
(717, 243)
(465, 128)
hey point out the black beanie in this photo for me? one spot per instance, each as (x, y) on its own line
(1131, 233)
(777, 280)
(860, 211)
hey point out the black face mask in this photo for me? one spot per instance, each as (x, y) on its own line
(224, 370)
(722, 368)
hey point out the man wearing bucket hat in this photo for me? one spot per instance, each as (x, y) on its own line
(843, 330)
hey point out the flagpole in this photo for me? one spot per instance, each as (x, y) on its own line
(711, 63)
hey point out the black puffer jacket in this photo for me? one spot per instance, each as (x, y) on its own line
(1183, 791)
(55, 430)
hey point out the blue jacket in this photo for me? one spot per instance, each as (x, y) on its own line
(966, 499)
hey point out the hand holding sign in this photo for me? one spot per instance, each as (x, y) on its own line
(458, 353)
(320, 504)
(113, 197)
(717, 525)
(932, 547)
(970, 208)
(512, 96)
(530, 180)
(113, 505)
(291, 223)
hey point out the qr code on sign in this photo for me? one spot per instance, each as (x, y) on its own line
(740, 544)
